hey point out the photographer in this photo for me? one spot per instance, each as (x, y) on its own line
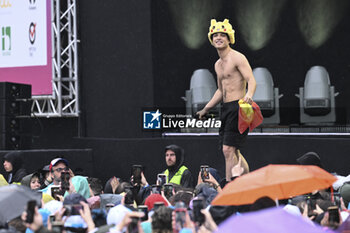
(57, 167)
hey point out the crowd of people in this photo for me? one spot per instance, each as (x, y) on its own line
(176, 203)
(180, 201)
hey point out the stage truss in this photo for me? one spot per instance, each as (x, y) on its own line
(64, 100)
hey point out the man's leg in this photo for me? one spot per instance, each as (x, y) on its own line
(231, 158)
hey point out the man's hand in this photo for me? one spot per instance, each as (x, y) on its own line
(237, 170)
(85, 213)
(37, 220)
(127, 220)
(248, 99)
(209, 224)
(143, 180)
(201, 114)
(114, 183)
(214, 182)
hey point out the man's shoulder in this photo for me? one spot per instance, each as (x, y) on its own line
(236, 54)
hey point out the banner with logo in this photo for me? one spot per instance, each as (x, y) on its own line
(25, 44)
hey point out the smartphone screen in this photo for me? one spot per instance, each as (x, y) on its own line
(168, 190)
(333, 214)
(144, 209)
(55, 191)
(30, 211)
(197, 214)
(204, 172)
(180, 219)
(161, 178)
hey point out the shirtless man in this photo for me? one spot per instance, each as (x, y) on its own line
(233, 74)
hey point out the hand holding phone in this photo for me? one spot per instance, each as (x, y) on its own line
(136, 173)
(197, 214)
(56, 190)
(30, 211)
(180, 219)
(144, 209)
(204, 172)
(334, 217)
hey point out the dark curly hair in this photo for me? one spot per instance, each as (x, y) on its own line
(161, 220)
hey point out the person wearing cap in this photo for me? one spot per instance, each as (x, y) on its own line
(57, 166)
(13, 166)
(177, 172)
(233, 74)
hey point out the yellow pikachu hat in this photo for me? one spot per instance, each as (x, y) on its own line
(224, 27)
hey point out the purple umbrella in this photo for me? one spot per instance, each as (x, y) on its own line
(269, 221)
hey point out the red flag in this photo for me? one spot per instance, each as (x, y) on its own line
(249, 116)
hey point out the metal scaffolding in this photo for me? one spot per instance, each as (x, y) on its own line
(64, 100)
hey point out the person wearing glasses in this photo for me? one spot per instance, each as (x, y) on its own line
(57, 166)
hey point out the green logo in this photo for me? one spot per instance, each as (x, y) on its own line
(5, 38)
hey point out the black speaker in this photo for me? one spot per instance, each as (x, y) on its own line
(15, 111)
(15, 91)
(13, 107)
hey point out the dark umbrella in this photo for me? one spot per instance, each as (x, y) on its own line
(13, 201)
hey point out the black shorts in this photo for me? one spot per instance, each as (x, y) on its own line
(229, 132)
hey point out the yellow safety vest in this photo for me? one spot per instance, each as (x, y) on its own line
(176, 179)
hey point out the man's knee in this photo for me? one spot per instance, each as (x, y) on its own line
(228, 151)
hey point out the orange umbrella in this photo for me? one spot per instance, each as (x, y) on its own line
(276, 182)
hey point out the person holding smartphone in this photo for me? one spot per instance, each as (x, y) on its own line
(57, 166)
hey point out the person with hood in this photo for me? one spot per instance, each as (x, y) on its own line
(13, 166)
(176, 172)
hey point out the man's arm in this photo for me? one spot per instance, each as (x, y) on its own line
(247, 73)
(216, 99)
